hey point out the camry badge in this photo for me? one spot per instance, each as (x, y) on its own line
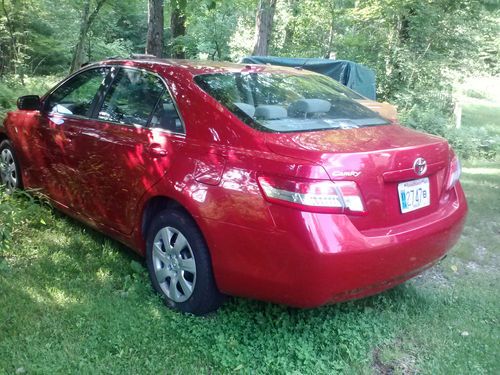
(346, 173)
(420, 166)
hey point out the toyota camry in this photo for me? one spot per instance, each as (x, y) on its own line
(262, 182)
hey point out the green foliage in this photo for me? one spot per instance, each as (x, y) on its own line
(213, 42)
(11, 88)
(74, 301)
(479, 137)
(44, 43)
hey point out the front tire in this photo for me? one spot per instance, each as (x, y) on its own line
(10, 173)
(179, 264)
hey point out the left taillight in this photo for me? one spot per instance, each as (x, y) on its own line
(313, 195)
(454, 173)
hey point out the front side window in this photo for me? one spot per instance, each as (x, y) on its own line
(132, 97)
(76, 96)
(283, 102)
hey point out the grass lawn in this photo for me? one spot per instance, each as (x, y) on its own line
(483, 114)
(74, 301)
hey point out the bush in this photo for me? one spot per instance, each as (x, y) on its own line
(468, 143)
(432, 112)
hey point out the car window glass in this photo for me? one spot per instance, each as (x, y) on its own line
(283, 102)
(75, 97)
(165, 115)
(132, 97)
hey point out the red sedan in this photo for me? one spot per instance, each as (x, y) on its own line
(264, 182)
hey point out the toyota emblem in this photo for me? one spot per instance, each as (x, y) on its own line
(420, 166)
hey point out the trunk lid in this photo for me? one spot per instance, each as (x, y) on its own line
(378, 158)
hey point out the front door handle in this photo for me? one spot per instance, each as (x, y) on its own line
(157, 150)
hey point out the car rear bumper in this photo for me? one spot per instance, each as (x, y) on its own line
(311, 259)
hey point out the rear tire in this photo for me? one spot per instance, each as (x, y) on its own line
(179, 264)
(10, 172)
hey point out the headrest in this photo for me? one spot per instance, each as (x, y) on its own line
(247, 108)
(309, 106)
(270, 112)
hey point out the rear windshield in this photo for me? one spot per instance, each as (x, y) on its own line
(280, 102)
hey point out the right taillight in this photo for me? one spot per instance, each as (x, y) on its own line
(313, 195)
(454, 173)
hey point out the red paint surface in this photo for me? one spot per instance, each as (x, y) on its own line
(104, 174)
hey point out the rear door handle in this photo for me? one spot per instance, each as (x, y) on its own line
(156, 149)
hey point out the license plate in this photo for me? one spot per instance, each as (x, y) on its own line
(414, 195)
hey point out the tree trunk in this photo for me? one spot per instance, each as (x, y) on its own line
(263, 27)
(86, 22)
(331, 36)
(154, 43)
(77, 60)
(178, 27)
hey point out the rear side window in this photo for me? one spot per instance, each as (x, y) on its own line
(76, 96)
(132, 97)
(165, 115)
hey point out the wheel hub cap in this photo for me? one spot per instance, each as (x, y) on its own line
(174, 264)
(8, 172)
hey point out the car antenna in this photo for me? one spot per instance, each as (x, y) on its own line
(300, 67)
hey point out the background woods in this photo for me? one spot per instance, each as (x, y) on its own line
(421, 50)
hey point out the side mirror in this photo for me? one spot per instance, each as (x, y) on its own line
(29, 102)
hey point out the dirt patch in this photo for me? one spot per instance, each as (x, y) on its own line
(433, 275)
(380, 367)
(476, 267)
(392, 359)
(480, 252)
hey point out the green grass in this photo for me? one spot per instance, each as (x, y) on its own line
(480, 131)
(74, 301)
(482, 114)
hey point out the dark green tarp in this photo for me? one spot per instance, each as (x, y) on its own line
(355, 76)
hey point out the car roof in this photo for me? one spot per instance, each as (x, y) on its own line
(196, 67)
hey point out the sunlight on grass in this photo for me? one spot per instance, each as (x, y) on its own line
(51, 296)
(491, 171)
(61, 298)
(35, 295)
(103, 275)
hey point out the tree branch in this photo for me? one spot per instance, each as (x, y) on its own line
(93, 15)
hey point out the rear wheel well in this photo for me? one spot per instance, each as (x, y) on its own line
(3, 137)
(153, 207)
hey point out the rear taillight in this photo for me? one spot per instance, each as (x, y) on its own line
(454, 173)
(313, 195)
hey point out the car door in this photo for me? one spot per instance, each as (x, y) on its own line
(124, 155)
(56, 129)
